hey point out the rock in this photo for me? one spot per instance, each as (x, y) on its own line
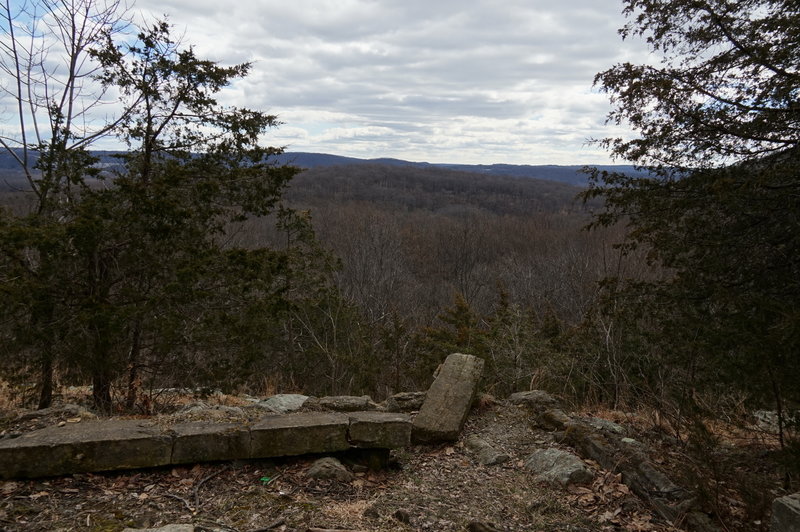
(205, 412)
(405, 402)
(768, 419)
(329, 468)
(555, 465)
(84, 447)
(786, 514)
(206, 442)
(638, 473)
(448, 400)
(552, 419)
(347, 403)
(485, 453)
(299, 433)
(536, 400)
(388, 430)
(283, 403)
(606, 425)
(591, 444)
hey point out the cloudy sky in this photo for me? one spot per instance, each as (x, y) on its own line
(467, 81)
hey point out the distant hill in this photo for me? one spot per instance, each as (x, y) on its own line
(11, 177)
(571, 174)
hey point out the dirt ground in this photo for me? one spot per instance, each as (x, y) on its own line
(436, 488)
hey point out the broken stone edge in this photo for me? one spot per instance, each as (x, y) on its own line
(112, 445)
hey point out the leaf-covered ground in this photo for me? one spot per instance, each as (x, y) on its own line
(437, 488)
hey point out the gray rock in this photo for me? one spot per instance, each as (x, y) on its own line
(448, 400)
(405, 401)
(767, 420)
(536, 400)
(604, 424)
(347, 403)
(203, 411)
(329, 468)
(786, 514)
(552, 419)
(283, 403)
(387, 430)
(484, 452)
(555, 465)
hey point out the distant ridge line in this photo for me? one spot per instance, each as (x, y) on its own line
(569, 174)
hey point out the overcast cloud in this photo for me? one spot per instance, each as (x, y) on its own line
(463, 81)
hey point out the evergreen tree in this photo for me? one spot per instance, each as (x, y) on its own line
(719, 123)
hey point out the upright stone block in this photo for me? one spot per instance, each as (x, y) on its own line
(448, 400)
(786, 514)
(84, 447)
(296, 434)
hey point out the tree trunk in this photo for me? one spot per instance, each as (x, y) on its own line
(101, 391)
(133, 368)
(46, 382)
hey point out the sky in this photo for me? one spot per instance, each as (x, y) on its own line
(442, 81)
(445, 81)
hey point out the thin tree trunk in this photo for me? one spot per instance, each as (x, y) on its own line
(133, 367)
(46, 381)
(101, 392)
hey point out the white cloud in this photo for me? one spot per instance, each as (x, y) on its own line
(474, 81)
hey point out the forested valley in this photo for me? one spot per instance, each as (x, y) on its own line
(196, 261)
(413, 264)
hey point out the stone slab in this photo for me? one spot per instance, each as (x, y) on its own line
(300, 433)
(448, 400)
(786, 514)
(208, 442)
(84, 447)
(384, 430)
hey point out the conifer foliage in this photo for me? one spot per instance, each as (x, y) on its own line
(133, 274)
(719, 127)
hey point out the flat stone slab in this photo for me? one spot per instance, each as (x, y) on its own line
(109, 445)
(381, 430)
(301, 433)
(448, 400)
(84, 447)
(204, 442)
